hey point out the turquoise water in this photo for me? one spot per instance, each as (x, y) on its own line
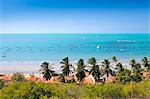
(54, 47)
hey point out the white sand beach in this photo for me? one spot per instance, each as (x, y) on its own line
(29, 67)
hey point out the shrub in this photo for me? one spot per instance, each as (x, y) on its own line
(1, 84)
(110, 90)
(137, 89)
(124, 76)
(30, 90)
(18, 77)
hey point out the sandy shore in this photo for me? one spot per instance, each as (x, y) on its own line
(25, 67)
(29, 67)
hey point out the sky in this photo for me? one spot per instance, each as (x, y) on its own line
(74, 16)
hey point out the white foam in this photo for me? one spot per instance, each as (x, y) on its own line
(126, 41)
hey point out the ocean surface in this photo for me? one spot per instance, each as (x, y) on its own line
(54, 47)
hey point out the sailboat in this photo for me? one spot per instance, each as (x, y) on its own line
(98, 46)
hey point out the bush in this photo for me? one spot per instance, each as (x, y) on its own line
(110, 91)
(1, 84)
(16, 90)
(30, 90)
(18, 77)
(137, 89)
(124, 76)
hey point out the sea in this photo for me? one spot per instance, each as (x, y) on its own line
(56, 46)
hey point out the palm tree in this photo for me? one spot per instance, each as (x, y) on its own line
(106, 68)
(119, 67)
(95, 70)
(80, 70)
(114, 59)
(137, 73)
(66, 66)
(132, 63)
(146, 63)
(62, 77)
(46, 70)
(137, 68)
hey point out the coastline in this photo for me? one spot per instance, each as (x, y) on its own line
(32, 67)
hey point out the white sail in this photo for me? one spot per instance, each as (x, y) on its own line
(98, 46)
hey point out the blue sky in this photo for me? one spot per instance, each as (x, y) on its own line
(74, 16)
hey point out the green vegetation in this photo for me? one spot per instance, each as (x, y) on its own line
(66, 66)
(106, 68)
(124, 76)
(114, 59)
(119, 67)
(46, 70)
(30, 90)
(136, 72)
(80, 70)
(95, 70)
(129, 83)
(18, 77)
(1, 84)
(146, 63)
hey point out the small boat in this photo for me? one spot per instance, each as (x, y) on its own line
(98, 46)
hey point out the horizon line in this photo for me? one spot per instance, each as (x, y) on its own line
(84, 33)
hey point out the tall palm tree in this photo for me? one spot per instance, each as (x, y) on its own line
(95, 70)
(46, 70)
(119, 67)
(80, 70)
(106, 68)
(146, 63)
(66, 66)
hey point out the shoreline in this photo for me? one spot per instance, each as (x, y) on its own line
(32, 67)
